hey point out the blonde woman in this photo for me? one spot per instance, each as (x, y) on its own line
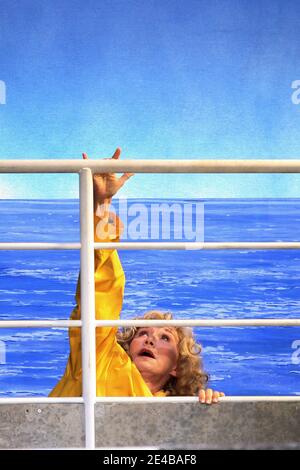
(145, 361)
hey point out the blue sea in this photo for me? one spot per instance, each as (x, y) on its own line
(192, 284)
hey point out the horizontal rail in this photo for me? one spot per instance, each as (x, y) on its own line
(199, 245)
(39, 323)
(136, 400)
(36, 400)
(145, 400)
(203, 323)
(151, 166)
(139, 323)
(40, 246)
(157, 246)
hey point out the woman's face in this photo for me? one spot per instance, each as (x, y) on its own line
(154, 351)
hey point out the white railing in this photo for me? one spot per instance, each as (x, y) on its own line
(158, 246)
(139, 323)
(151, 166)
(88, 323)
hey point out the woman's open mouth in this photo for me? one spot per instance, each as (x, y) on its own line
(147, 353)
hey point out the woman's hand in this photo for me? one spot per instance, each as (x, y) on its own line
(106, 185)
(209, 396)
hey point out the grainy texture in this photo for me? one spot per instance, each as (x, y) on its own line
(188, 425)
(41, 426)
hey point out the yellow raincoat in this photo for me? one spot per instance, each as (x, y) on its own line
(116, 374)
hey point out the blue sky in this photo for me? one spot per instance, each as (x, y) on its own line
(161, 79)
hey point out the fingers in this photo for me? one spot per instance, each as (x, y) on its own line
(209, 396)
(202, 395)
(116, 154)
(122, 180)
(128, 175)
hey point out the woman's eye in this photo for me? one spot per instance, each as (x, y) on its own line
(165, 338)
(142, 333)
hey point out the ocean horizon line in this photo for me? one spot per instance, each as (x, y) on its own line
(242, 199)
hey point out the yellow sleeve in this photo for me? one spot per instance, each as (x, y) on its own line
(109, 291)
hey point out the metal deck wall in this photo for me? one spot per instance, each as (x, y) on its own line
(231, 425)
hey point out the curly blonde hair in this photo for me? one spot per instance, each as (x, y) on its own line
(190, 375)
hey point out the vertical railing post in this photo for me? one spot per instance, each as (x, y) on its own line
(87, 289)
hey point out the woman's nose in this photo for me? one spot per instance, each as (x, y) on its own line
(149, 340)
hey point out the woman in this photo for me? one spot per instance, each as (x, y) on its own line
(147, 361)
